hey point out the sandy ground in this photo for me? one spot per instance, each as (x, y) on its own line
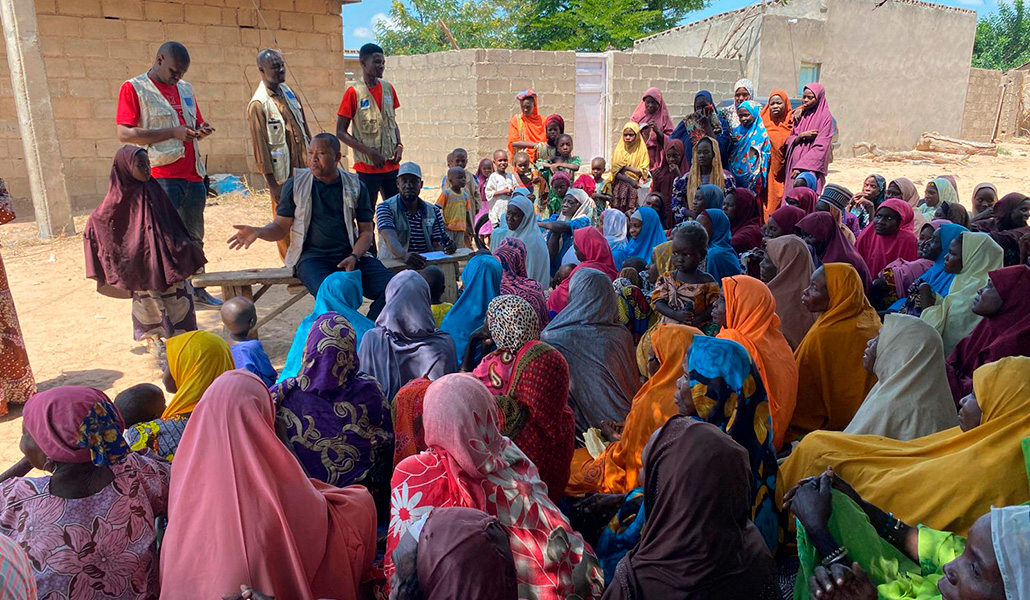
(78, 337)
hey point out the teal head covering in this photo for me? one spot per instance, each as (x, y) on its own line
(482, 283)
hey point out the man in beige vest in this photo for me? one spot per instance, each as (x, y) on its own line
(327, 214)
(158, 111)
(370, 105)
(278, 130)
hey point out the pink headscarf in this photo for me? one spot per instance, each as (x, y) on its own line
(72, 424)
(662, 120)
(241, 509)
(598, 255)
(813, 156)
(469, 463)
(880, 250)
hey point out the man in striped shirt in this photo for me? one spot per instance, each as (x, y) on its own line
(408, 225)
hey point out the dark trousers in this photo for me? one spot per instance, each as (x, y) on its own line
(312, 271)
(188, 198)
(376, 182)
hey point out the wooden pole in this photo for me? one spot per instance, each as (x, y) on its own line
(36, 119)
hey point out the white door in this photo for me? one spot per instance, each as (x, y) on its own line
(591, 106)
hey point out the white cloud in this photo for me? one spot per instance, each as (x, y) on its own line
(363, 33)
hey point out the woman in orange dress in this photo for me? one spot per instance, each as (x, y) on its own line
(16, 381)
(776, 117)
(527, 125)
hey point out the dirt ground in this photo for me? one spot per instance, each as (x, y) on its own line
(77, 337)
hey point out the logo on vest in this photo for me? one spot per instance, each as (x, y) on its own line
(364, 103)
(188, 101)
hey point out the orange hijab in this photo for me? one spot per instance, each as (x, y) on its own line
(617, 469)
(751, 321)
(526, 129)
(829, 359)
(778, 132)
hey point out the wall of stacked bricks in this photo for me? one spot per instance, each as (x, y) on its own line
(1011, 104)
(91, 46)
(679, 78)
(466, 97)
(981, 109)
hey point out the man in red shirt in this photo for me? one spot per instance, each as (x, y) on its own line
(375, 137)
(158, 111)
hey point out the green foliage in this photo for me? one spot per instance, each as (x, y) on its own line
(583, 25)
(597, 25)
(414, 27)
(1003, 37)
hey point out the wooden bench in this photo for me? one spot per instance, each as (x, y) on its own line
(241, 283)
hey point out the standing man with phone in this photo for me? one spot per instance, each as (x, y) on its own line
(278, 129)
(370, 105)
(158, 111)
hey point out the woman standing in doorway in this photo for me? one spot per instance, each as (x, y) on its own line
(809, 146)
(16, 381)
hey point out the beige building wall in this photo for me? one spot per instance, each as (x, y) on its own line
(467, 97)
(981, 108)
(91, 47)
(885, 83)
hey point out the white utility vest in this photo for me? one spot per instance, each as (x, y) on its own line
(374, 127)
(303, 181)
(157, 113)
(276, 125)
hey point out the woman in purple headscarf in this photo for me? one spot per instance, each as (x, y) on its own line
(137, 246)
(810, 146)
(405, 344)
(333, 417)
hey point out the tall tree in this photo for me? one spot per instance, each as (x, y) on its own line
(1003, 37)
(585, 25)
(415, 27)
(596, 25)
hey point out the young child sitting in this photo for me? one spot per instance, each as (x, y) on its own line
(551, 204)
(499, 187)
(643, 272)
(239, 315)
(563, 273)
(456, 205)
(140, 403)
(435, 278)
(687, 294)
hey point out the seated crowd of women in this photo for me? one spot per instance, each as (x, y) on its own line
(829, 399)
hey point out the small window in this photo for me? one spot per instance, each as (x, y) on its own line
(808, 73)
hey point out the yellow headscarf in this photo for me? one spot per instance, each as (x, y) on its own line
(195, 360)
(946, 480)
(634, 155)
(951, 316)
(831, 381)
(617, 469)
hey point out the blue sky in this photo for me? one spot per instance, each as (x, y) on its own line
(359, 19)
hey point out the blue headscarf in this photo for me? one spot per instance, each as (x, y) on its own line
(687, 137)
(482, 280)
(340, 293)
(722, 258)
(711, 196)
(809, 178)
(748, 169)
(717, 357)
(651, 234)
(939, 279)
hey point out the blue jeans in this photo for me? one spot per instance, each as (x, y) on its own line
(312, 271)
(188, 198)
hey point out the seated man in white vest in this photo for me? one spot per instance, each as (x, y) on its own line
(328, 216)
(409, 225)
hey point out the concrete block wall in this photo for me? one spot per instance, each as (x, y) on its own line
(981, 109)
(465, 98)
(1012, 104)
(680, 78)
(91, 47)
